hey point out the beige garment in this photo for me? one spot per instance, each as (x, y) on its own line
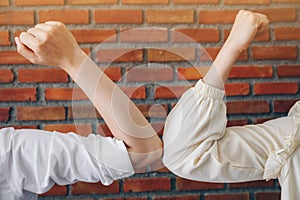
(198, 146)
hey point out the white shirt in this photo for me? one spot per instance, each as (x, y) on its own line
(31, 161)
(198, 146)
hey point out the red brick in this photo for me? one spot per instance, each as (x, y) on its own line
(65, 16)
(287, 33)
(120, 55)
(46, 75)
(64, 94)
(213, 16)
(17, 94)
(185, 197)
(82, 112)
(279, 14)
(261, 120)
(12, 57)
(169, 92)
(283, 106)
(288, 70)
(191, 73)
(147, 184)
(170, 16)
(126, 198)
(144, 35)
(91, 2)
(81, 188)
(247, 107)
(56, 190)
(264, 71)
(135, 92)
(238, 196)
(171, 54)
(94, 36)
(119, 16)
(267, 195)
(4, 114)
(81, 129)
(256, 2)
(285, 1)
(114, 73)
(149, 74)
(196, 35)
(25, 113)
(6, 76)
(38, 2)
(137, 2)
(4, 3)
(185, 184)
(153, 111)
(276, 88)
(4, 38)
(12, 17)
(253, 184)
(260, 37)
(196, 1)
(237, 122)
(210, 53)
(235, 89)
(274, 53)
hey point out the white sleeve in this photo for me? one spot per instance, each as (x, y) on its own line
(198, 145)
(34, 159)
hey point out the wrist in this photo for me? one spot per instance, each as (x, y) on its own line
(73, 65)
(232, 48)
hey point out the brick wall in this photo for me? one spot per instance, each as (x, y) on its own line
(263, 84)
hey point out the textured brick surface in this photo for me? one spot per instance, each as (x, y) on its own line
(184, 184)
(26, 113)
(4, 38)
(11, 17)
(65, 16)
(155, 50)
(169, 16)
(35, 75)
(118, 16)
(38, 3)
(147, 184)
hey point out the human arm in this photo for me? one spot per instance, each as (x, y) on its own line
(247, 24)
(197, 144)
(52, 44)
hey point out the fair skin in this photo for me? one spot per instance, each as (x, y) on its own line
(245, 28)
(52, 40)
(53, 45)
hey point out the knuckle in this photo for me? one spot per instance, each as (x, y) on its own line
(30, 30)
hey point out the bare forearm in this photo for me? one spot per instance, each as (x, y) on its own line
(221, 67)
(124, 119)
(122, 116)
(52, 44)
(247, 24)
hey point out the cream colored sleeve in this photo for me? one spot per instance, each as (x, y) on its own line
(198, 146)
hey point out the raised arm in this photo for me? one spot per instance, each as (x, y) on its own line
(197, 144)
(52, 44)
(247, 24)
